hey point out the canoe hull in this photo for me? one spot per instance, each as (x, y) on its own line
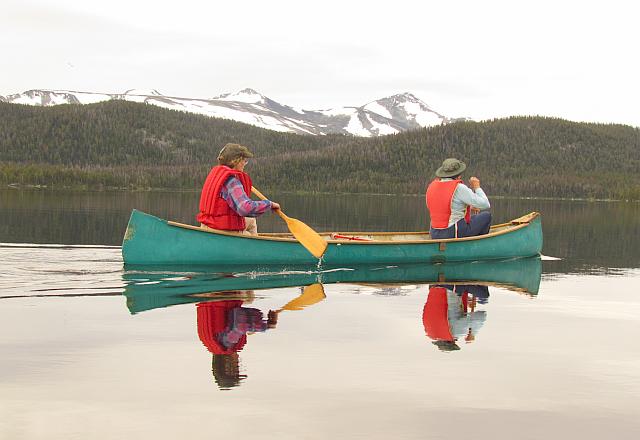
(154, 241)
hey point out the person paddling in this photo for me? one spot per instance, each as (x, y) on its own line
(450, 203)
(224, 203)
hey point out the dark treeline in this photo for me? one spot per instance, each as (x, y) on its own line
(129, 145)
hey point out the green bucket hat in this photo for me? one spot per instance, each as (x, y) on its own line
(451, 167)
(446, 345)
(231, 152)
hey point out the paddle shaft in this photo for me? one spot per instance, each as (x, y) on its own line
(262, 197)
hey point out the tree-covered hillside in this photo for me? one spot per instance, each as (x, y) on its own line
(121, 144)
(516, 156)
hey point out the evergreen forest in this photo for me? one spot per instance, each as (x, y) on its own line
(127, 145)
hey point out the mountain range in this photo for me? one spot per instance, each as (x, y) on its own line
(389, 115)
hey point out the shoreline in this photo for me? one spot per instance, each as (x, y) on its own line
(81, 189)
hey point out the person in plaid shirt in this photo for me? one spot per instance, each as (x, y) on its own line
(224, 203)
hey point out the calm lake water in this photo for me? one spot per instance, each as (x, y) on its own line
(516, 349)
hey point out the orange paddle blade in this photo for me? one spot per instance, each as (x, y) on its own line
(307, 237)
(310, 295)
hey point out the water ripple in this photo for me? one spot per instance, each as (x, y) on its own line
(59, 270)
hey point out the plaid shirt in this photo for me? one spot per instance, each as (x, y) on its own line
(233, 193)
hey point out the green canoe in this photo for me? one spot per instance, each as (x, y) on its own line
(154, 241)
(150, 287)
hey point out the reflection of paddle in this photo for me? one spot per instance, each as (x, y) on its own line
(310, 295)
(307, 237)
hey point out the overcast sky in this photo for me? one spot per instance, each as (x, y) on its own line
(577, 60)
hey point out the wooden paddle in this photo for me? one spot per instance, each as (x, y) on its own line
(311, 295)
(307, 237)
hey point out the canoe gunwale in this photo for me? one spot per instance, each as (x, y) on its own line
(499, 284)
(505, 228)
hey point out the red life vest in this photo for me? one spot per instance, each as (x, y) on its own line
(214, 210)
(438, 197)
(435, 317)
(213, 320)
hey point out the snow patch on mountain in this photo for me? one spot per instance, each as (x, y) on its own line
(375, 107)
(248, 96)
(355, 126)
(340, 111)
(91, 98)
(420, 113)
(381, 129)
(143, 92)
(43, 98)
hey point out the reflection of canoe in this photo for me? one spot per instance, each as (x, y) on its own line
(148, 289)
(151, 240)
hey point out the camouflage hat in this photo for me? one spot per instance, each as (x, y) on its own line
(450, 168)
(230, 152)
(446, 345)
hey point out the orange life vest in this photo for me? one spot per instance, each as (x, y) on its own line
(435, 316)
(213, 320)
(438, 197)
(214, 210)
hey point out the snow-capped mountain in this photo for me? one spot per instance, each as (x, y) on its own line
(388, 115)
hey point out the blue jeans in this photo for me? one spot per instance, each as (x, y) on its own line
(478, 225)
(480, 292)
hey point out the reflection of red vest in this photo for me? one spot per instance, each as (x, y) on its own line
(439, 196)
(435, 316)
(213, 320)
(214, 210)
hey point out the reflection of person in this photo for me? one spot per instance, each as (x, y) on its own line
(450, 203)
(226, 370)
(450, 314)
(224, 203)
(222, 328)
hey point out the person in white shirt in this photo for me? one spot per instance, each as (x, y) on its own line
(450, 203)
